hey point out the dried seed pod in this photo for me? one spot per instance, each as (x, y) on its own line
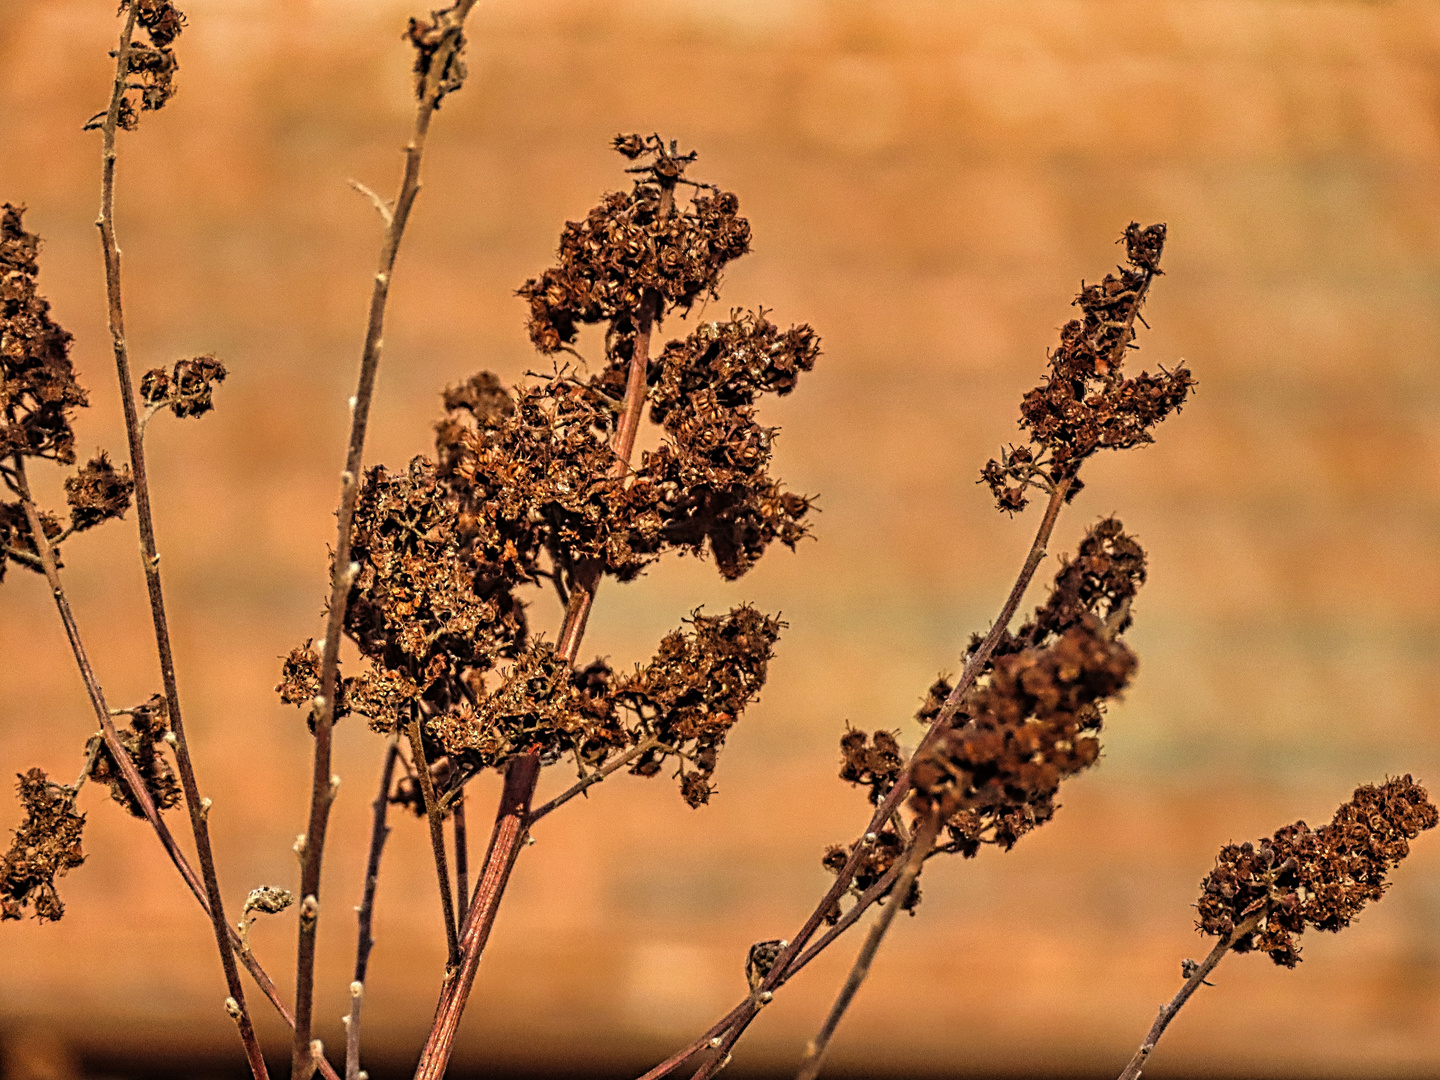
(143, 739)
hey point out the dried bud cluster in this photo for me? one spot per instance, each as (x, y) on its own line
(142, 740)
(187, 389)
(98, 493)
(873, 761)
(46, 846)
(878, 856)
(38, 391)
(1322, 878)
(1035, 721)
(150, 67)
(1086, 403)
(428, 38)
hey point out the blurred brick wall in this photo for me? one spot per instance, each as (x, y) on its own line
(927, 182)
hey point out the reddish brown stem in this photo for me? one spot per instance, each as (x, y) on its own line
(505, 843)
(513, 821)
(150, 556)
(450, 39)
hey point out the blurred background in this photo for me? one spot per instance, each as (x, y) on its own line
(927, 183)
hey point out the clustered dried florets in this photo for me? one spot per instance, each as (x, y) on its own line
(1322, 878)
(98, 492)
(187, 389)
(142, 739)
(870, 760)
(1086, 404)
(1032, 718)
(38, 390)
(633, 243)
(525, 487)
(46, 846)
(150, 67)
(879, 852)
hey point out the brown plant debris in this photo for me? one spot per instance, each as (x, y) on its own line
(45, 846)
(187, 389)
(38, 391)
(98, 492)
(142, 739)
(1319, 878)
(1086, 403)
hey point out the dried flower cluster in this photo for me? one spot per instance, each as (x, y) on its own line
(1085, 403)
(151, 65)
(187, 389)
(143, 739)
(633, 243)
(428, 37)
(38, 391)
(525, 488)
(45, 846)
(1320, 878)
(1033, 720)
(98, 492)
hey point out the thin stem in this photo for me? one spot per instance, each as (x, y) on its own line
(379, 831)
(505, 843)
(847, 920)
(612, 766)
(942, 723)
(462, 858)
(1167, 1012)
(150, 558)
(450, 23)
(437, 837)
(815, 1052)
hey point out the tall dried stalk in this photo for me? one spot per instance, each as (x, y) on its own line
(434, 85)
(197, 806)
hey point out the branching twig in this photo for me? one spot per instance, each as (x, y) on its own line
(437, 837)
(1197, 976)
(815, 1051)
(610, 767)
(150, 557)
(450, 23)
(379, 830)
(117, 750)
(942, 722)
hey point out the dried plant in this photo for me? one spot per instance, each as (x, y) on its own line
(538, 487)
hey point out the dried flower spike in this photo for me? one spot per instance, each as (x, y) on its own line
(98, 493)
(1300, 878)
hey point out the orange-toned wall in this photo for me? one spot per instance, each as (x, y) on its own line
(927, 182)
